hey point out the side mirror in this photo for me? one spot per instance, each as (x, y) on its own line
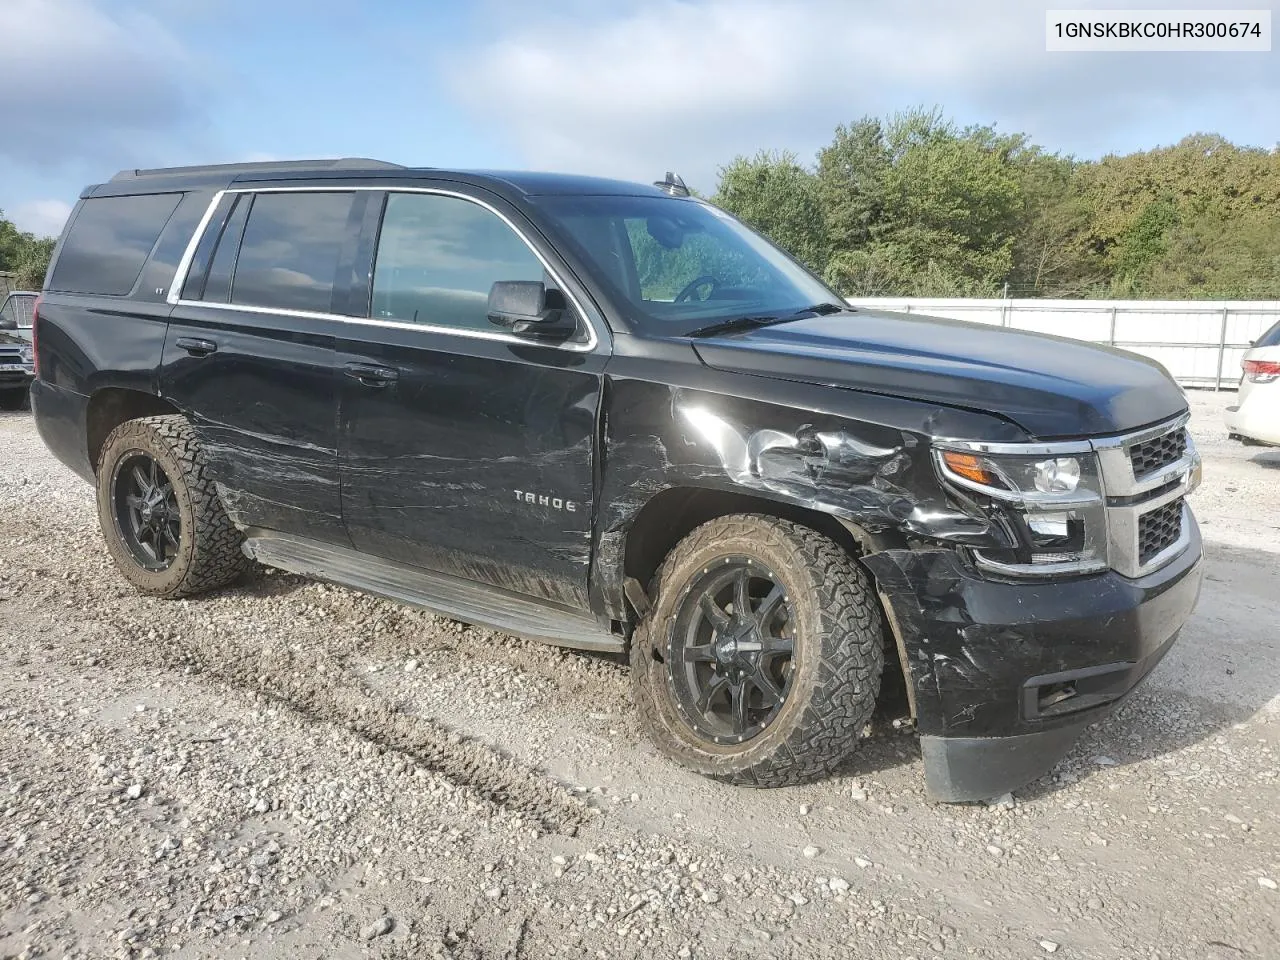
(528, 309)
(8, 323)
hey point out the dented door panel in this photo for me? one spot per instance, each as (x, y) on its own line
(264, 404)
(476, 461)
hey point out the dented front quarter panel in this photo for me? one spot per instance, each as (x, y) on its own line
(862, 458)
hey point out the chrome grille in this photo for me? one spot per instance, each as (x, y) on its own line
(1150, 455)
(1158, 530)
(1147, 475)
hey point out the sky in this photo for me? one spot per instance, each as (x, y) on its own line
(614, 87)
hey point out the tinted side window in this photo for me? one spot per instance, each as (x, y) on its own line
(437, 258)
(289, 255)
(157, 275)
(109, 242)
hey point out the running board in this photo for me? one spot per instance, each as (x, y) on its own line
(438, 593)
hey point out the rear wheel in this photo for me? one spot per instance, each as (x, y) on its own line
(760, 661)
(159, 512)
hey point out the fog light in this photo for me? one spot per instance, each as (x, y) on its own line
(1061, 475)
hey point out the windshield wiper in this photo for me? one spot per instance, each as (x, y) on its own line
(736, 324)
(739, 324)
(826, 309)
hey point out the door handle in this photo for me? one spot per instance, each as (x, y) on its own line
(195, 346)
(372, 375)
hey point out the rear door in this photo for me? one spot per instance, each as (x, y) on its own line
(466, 450)
(250, 352)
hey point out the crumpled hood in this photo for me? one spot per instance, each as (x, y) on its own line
(1050, 386)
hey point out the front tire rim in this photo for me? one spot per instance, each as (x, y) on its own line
(732, 651)
(146, 511)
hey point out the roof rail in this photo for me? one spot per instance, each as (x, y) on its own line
(269, 166)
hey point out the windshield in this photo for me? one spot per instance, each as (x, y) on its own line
(684, 264)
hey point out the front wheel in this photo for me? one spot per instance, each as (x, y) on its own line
(760, 661)
(160, 513)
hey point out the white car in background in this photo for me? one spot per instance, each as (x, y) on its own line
(1256, 417)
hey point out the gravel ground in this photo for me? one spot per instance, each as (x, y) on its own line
(290, 769)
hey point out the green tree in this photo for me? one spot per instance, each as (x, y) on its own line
(913, 204)
(24, 254)
(851, 182)
(1144, 243)
(1053, 254)
(777, 196)
(33, 263)
(952, 199)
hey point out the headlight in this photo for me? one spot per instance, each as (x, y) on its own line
(1048, 501)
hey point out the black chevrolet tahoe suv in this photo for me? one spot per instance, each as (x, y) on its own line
(612, 417)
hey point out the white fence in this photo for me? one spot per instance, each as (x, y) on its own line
(1200, 342)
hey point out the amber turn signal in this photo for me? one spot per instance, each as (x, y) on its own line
(970, 467)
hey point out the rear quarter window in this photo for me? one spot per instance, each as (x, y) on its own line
(108, 243)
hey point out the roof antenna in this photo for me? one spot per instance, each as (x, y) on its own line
(672, 185)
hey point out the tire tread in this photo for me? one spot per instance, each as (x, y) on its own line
(214, 556)
(851, 656)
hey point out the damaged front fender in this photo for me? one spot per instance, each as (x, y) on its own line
(868, 467)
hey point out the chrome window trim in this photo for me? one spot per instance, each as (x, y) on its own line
(174, 295)
(184, 267)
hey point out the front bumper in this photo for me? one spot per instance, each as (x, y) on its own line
(1004, 675)
(14, 376)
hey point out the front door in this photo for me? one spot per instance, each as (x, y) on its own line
(464, 449)
(250, 354)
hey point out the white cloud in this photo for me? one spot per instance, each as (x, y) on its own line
(673, 84)
(44, 218)
(78, 81)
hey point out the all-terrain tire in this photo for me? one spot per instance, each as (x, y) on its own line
(836, 665)
(209, 553)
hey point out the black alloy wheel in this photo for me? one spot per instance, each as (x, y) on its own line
(146, 511)
(733, 647)
(758, 661)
